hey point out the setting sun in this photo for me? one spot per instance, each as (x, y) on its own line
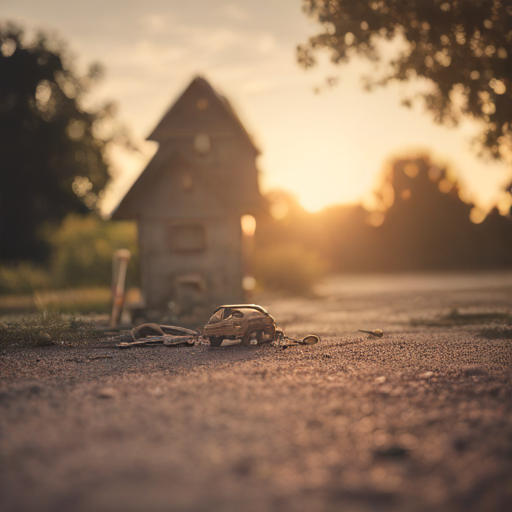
(335, 172)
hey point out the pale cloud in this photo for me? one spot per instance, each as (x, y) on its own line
(259, 85)
(156, 22)
(235, 12)
(217, 40)
(266, 44)
(151, 56)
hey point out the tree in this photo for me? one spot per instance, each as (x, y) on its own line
(464, 47)
(53, 157)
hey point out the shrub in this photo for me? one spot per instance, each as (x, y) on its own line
(81, 256)
(290, 268)
(83, 249)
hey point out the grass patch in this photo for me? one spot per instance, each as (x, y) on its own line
(73, 301)
(46, 329)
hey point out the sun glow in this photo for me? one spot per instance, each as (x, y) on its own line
(336, 173)
(330, 186)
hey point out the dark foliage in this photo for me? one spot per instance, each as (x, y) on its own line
(52, 148)
(463, 46)
(422, 223)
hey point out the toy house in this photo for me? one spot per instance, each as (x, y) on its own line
(188, 203)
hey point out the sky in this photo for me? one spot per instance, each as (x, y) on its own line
(325, 148)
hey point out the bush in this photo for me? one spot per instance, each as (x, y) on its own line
(24, 277)
(83, 248)
(290, 268)
(81, 256)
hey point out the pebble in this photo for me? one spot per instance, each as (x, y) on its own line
(107, 393)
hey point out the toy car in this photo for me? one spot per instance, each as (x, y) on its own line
(247, 322)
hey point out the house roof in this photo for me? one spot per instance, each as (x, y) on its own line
(200, 109)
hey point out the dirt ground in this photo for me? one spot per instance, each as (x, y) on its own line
(419, 420)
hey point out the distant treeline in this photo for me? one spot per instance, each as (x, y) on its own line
(421, 223)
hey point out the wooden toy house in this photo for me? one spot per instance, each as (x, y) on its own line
(188, 203)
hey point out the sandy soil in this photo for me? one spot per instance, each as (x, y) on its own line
(419, 420)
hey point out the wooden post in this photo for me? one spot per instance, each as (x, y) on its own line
(120, 261)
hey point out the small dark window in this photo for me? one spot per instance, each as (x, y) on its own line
(188, 237)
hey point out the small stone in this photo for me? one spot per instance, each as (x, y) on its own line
(426, 375)
(393, 451)
(156, 391)
(376, 332)
(43, 338)
(380, 380)
(460, 444)
(243, 467)
(107, 393)
(472, 370)
(494, 391)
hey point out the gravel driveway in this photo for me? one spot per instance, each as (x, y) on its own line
(419, 420)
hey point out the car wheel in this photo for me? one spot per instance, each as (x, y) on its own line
(250, 333)
(266, 335)
(216, 341)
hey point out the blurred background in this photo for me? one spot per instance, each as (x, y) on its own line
(384, 135)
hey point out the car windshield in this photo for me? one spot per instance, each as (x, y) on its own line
(239, 312)
(250, 312)
(229, 313)
(216, 318)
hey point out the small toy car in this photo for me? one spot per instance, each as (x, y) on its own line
(248, 322)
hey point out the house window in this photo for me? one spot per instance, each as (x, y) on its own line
(202, 104)
(202, 143)
(188, 237)
(200, 149)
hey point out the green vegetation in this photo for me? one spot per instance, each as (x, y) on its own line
(75, 300)
(289, 267)
(462, 48)
(81, 256)
(82, 250)
(53, 147)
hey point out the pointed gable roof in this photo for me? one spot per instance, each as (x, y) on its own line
(200, 109)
